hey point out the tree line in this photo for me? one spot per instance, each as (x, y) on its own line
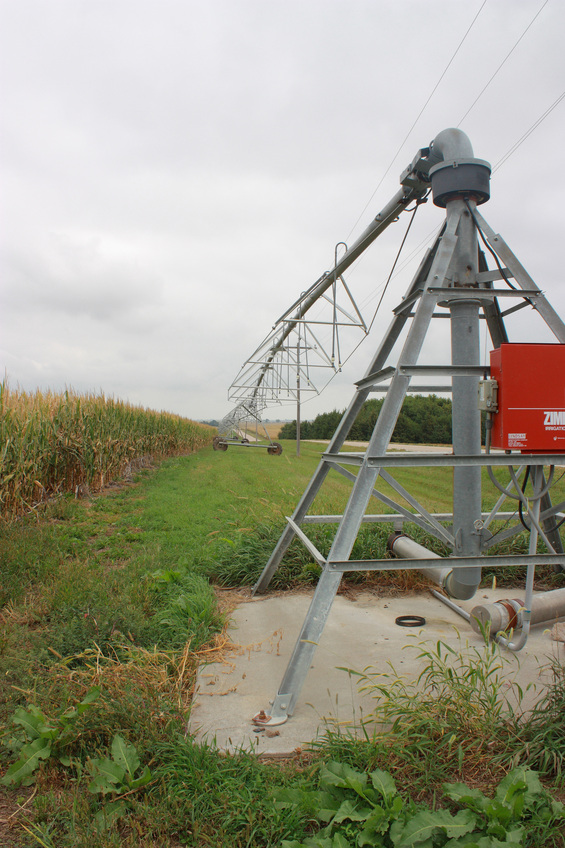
(424, 419)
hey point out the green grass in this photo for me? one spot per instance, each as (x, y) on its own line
(201, 786)
(114, 591)
(542, 740)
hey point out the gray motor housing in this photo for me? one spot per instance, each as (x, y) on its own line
(460, 177)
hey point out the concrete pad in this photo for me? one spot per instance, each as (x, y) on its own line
(360, 633)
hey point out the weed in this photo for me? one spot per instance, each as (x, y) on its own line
(30, 554)
(543, 731)
(114, 593)
(452, 715)
(239, 561)
(367, 810)
(39, 738)
(185, 610)
(119, 776)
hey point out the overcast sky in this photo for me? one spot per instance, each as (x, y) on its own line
(174, 173)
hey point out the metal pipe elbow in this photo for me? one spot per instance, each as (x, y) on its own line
(451, 144)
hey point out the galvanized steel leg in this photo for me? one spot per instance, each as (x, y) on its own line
(328, 584)
(389, 340)
(466, 416)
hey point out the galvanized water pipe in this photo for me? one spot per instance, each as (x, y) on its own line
(459, 181)
(414, 187)
(450, 145)
(443, 576)
(507, 614)
(406, 548)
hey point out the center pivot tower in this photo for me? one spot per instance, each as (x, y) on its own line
(454, 282)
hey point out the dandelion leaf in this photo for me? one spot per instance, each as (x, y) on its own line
(20, 773)
(420, 830)
(383, 783)
(125, 755)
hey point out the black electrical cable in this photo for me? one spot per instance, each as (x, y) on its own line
(560, 524)
(503, 527)
(413, 210)
(489, 248)
(543, 492)
(513, 491)
(521, 503)
(509, 493)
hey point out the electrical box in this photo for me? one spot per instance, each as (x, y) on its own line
(488, 396)
(531, 397)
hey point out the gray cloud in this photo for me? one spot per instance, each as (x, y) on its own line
(175, 173)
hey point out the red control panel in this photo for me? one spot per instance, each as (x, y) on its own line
(531, 397)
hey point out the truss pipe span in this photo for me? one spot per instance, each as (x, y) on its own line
(442, 575)
(384, 218)
(507, 615)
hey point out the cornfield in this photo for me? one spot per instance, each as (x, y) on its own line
(55, 443)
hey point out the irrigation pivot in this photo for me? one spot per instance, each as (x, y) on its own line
(453, 282)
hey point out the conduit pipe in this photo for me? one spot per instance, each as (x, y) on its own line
(402, 546)
(505, 615)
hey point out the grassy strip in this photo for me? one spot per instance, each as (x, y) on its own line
(59, 443)
(112, 592)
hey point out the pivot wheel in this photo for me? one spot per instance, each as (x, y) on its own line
(218, 444)
(275, 448)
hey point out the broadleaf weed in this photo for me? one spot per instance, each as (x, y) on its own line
(39, 738)
(353, 812)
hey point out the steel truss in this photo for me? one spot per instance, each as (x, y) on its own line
(242, 427)
(453, 281)
(289, 361)
(291, 358)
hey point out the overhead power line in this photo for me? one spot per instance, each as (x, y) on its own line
(482, 91)
(421, 112)
(528, 132)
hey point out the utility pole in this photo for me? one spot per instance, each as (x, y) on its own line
(298, 395)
